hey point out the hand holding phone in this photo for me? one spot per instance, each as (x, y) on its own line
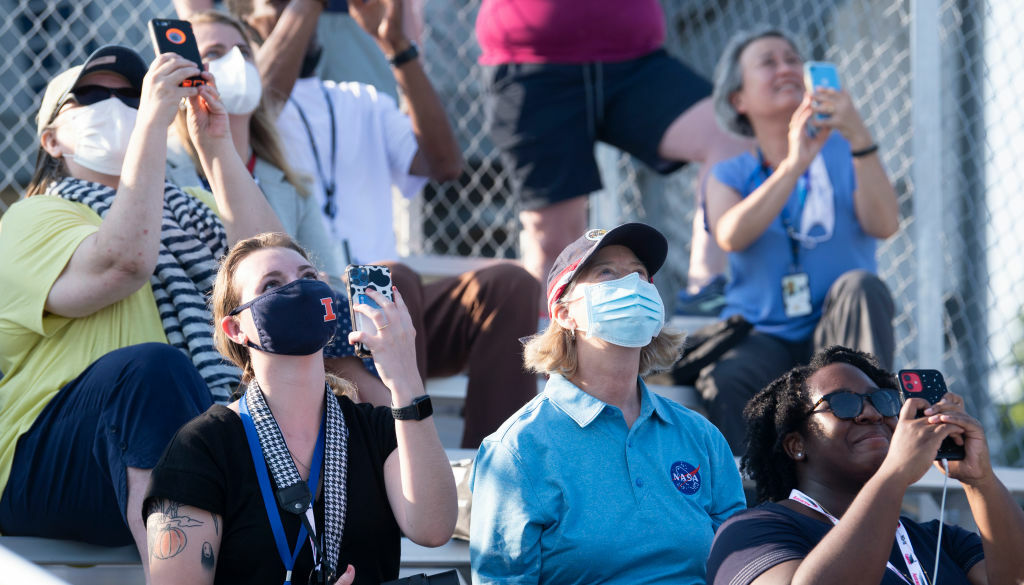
(361, 277)
(930, 385)
(819, 74)
(176, 36)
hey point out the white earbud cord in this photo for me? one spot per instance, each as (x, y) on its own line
(942, 518)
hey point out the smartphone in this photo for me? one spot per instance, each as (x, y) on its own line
(175, 36)
(361, 277)
(819, 74)
(930, 385)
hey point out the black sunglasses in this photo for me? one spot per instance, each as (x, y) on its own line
(848, 405)
(88, 95)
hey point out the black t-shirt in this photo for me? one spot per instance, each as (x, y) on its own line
(208, 465)
(756, 540)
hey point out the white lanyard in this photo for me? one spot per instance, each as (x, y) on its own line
(902, 540)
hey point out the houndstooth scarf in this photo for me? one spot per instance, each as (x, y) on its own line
(192, 238)
(282, 468)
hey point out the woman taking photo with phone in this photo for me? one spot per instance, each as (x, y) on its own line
(227, 52)
(598, 479)
(105, 341)
(800, 217)
(833, 452)
(294, 479)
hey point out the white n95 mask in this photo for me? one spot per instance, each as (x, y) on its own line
(101, 132)
(238, 82)
(627, 311)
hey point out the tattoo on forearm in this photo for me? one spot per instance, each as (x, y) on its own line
(216, 523)
(207, 558)
(166, 536)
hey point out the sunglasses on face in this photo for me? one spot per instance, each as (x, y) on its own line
(88, 95)
(848, 405)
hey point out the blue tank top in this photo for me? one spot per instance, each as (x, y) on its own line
(755, 287)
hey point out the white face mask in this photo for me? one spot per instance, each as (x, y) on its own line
(101, 132)
(238, 82)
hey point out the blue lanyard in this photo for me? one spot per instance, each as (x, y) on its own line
(803, 185)
(288, 557)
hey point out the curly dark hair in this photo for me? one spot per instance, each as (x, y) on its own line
(781, 408)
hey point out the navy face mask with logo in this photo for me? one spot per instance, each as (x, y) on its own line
(295, 319)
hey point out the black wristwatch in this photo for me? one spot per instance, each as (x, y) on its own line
(418, 410)
(405, 56)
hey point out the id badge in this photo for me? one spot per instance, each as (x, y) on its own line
(796, 294)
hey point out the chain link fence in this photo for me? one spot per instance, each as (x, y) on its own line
(939, 82)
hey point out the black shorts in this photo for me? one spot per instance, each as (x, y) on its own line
(545, 119)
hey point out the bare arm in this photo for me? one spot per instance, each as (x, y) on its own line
(184, 542)
(999, 518)
(856, 550)
(438, 157)
(119, 258)
(280, 56)
(243, 208)
(186, 8)
(417, 475)
(737, 227)
(874, 201)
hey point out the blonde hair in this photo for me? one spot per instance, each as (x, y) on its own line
(553, 351)
(263, 136)
(226, 297)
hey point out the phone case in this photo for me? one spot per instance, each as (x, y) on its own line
(819, 74)
(930, 385)
(360, 278)
(175, 36)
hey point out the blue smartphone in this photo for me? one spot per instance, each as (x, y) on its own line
(819, 74)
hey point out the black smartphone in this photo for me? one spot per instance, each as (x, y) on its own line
(361, 277)
(175, 36)
(930, 385)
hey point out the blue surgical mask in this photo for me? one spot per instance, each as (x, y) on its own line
(627, 311)
(295, 319)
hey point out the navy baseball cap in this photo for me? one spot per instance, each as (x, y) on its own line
(649, 245)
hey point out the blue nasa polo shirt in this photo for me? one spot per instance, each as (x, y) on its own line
(564, 493)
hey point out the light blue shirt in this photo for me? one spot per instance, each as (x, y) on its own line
(564, 493)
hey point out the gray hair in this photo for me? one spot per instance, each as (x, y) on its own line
(729, 76)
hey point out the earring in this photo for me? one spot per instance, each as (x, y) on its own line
(799, 454)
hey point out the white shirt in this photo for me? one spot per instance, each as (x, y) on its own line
(375, 146)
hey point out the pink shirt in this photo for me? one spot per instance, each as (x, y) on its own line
(568, 31)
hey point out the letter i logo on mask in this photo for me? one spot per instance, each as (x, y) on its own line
(328, 304)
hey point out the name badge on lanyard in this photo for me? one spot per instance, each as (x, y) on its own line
(796, 286)
(796, 294)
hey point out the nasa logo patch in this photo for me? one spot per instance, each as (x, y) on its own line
(685, 477)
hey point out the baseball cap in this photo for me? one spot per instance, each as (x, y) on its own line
(116, 58)
(649, 245)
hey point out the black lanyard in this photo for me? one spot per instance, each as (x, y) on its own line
(330, 207)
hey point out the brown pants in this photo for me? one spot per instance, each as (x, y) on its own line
(473, 322)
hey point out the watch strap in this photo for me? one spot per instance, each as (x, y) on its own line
(405, 56)
(420, 409)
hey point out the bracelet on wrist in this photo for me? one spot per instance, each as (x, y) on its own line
(399, 59)
(864, 151)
